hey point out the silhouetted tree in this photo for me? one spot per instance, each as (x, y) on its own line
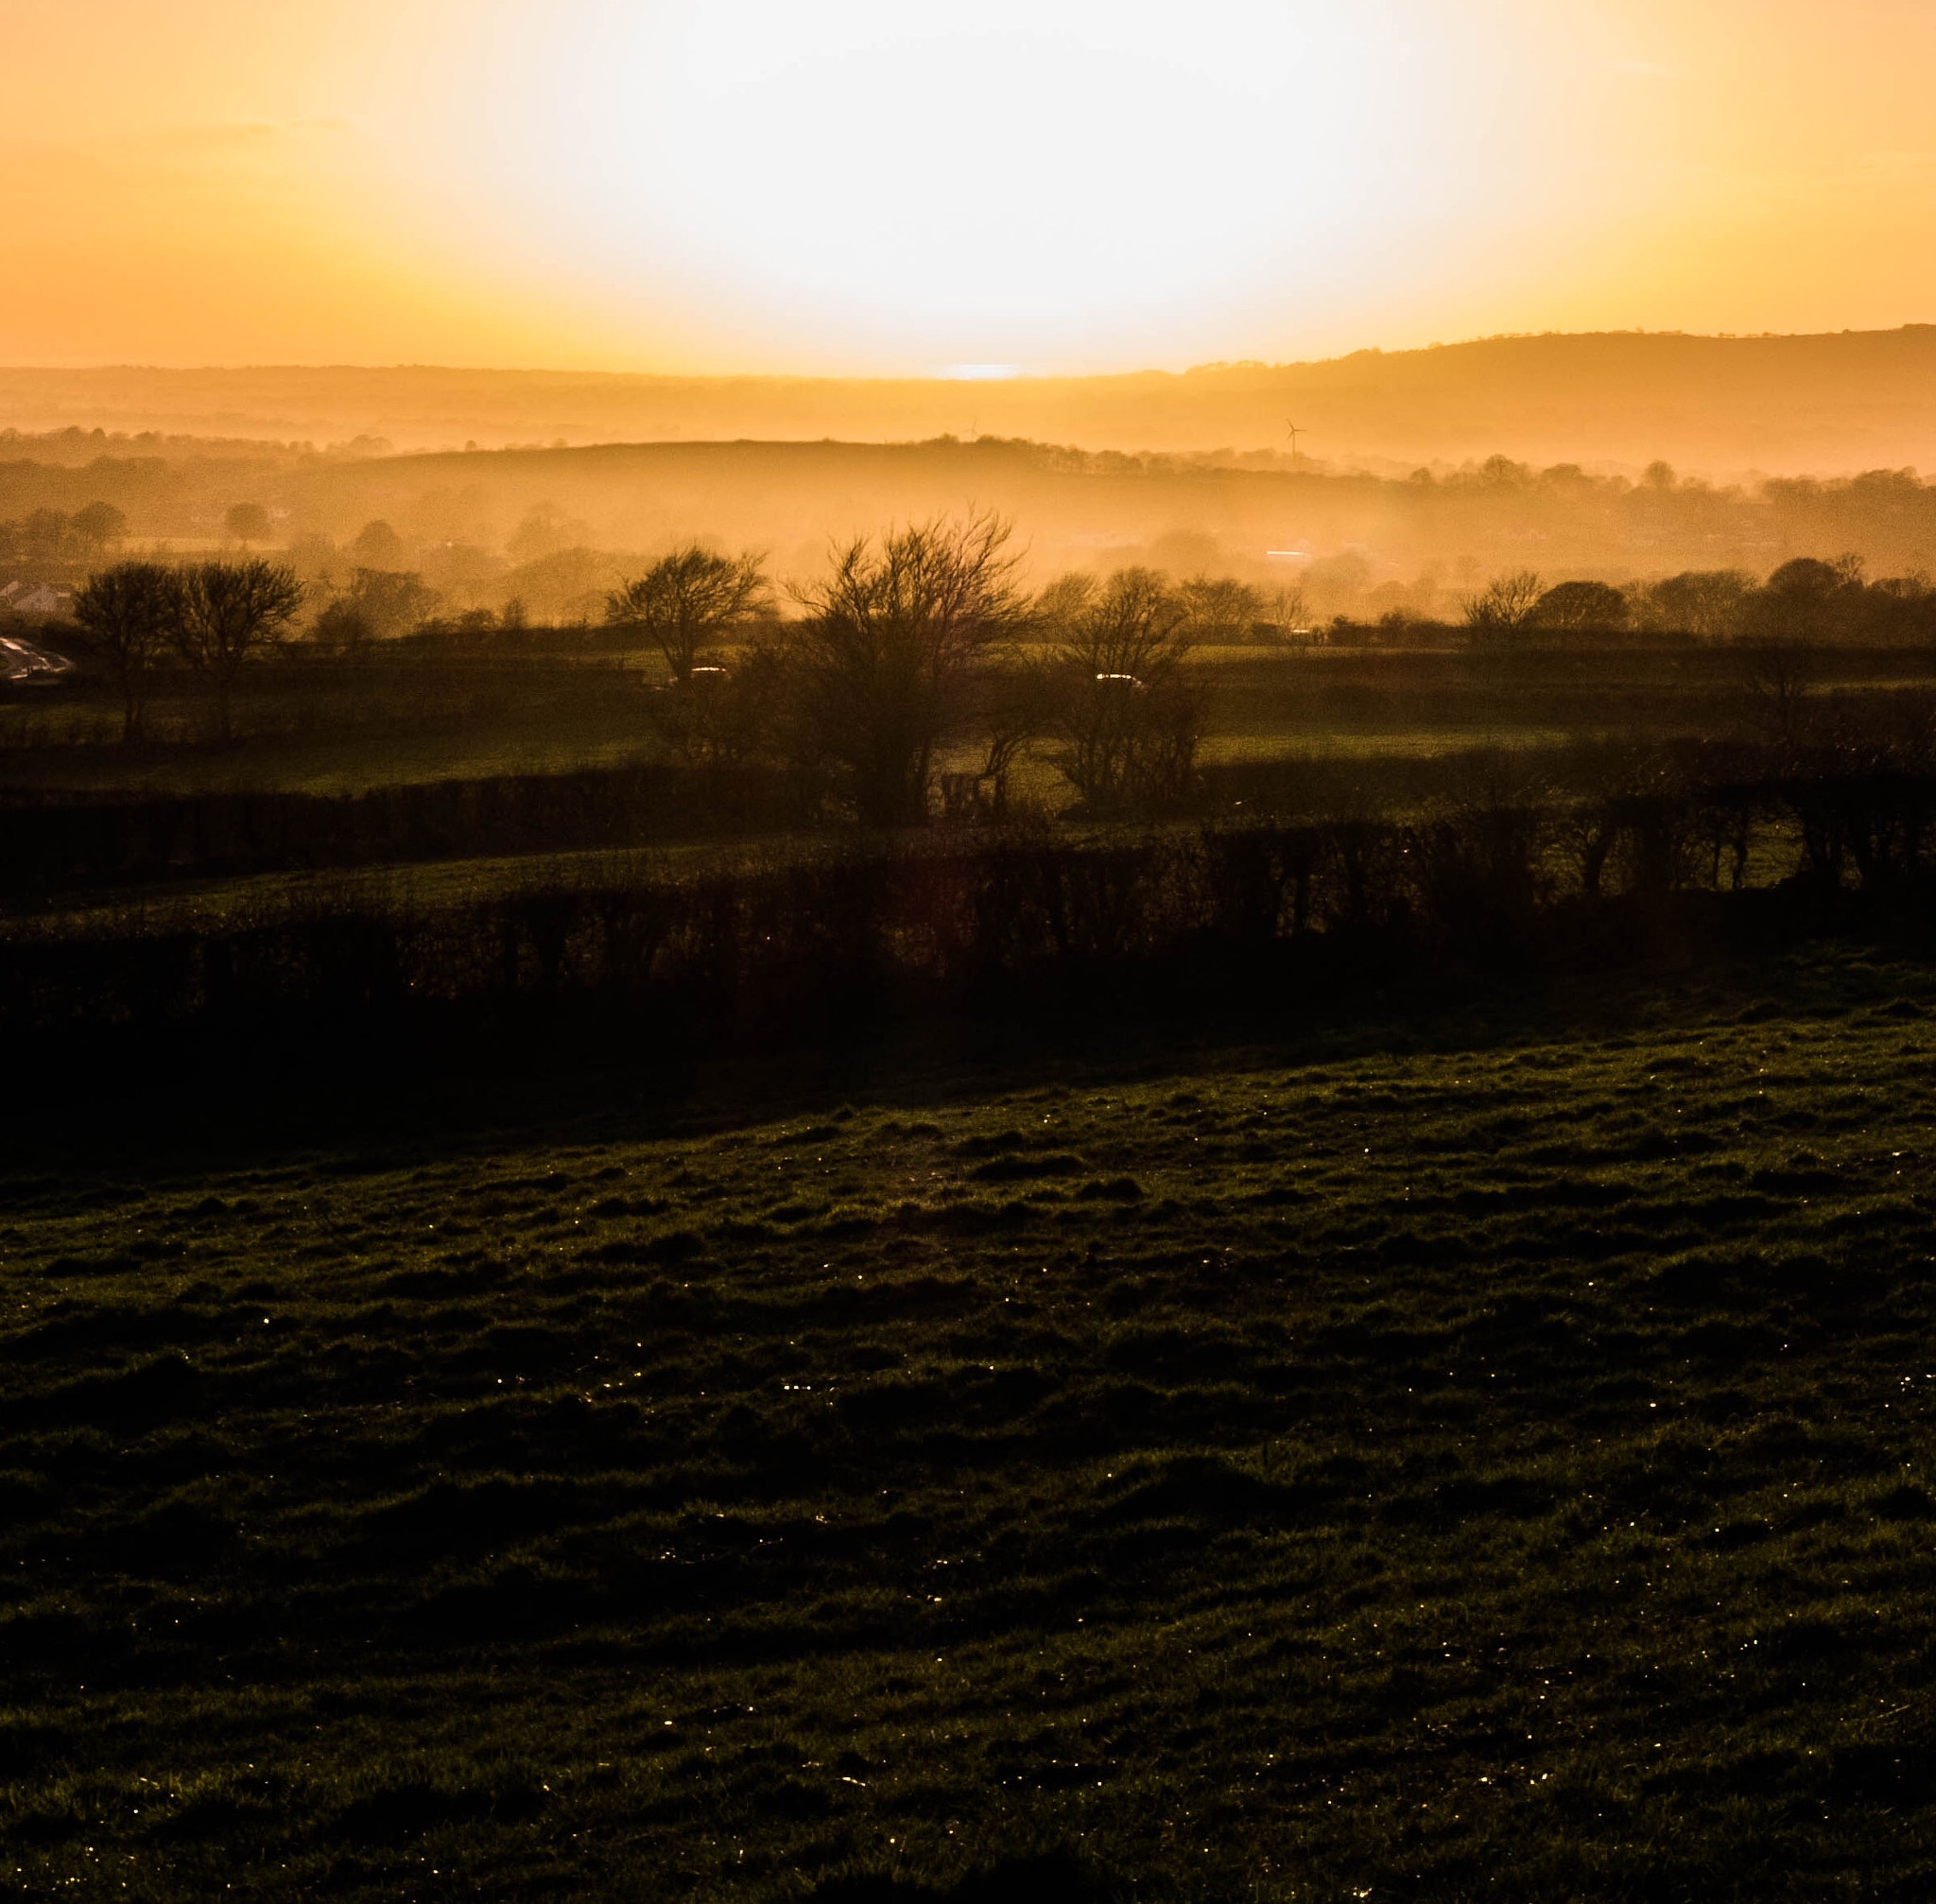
(377, 604)
(343, 626)
(99, 523)
(545, 530)
(1126, 711)
(1221, 608)
(45, 531)
(687, 603)
(131, 613)
(377, 546)
(1502, 608)
(730, 715)
(1709, 604)
(1580, 608)
(892, 657)
(229, 611)
(248, 522)
(1286, 610)
(1807, 599)
(1901, 608)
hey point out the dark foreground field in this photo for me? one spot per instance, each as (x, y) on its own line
(1485, 1456)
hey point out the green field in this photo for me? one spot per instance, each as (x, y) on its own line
(415, 720)
(404, 730)
(1481, 1451)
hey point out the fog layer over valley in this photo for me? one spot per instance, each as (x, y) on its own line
(555, 529)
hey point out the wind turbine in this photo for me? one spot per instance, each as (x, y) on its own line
(1294, 432)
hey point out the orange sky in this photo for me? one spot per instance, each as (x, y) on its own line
(890, 186)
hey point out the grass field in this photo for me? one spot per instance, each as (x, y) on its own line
(1476, 1452)
(431, 722)
(408, 888)
(75, 749)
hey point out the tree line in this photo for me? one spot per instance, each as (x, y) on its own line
(212, 616)
(918, 647)
(913, 647)
(920, 644)
(52, 535)
(917, 665)
(1804, 600)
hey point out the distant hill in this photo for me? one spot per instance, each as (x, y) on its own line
(1721, 405)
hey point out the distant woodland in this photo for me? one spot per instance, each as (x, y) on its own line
(557, 529)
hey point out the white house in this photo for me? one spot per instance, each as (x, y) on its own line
(36, 598)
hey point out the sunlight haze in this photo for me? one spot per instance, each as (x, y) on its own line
(860, 187)
(968, 951)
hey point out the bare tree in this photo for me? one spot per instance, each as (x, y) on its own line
(132, 612)
(229, 610)
(687, 602)
(890, 660)
(1285, 611)
(1123, 705)
(1503, 606)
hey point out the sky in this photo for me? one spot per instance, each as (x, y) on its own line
(907, 187)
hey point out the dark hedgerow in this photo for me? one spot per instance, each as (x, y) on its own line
(771, 943)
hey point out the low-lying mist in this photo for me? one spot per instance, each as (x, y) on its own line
(555, 530)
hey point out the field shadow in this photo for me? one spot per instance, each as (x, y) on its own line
(355, 1110)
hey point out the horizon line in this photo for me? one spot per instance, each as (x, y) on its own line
(1009, 373)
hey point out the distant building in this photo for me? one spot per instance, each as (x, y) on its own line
(36, 598)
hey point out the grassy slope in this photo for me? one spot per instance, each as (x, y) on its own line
(1490, 1463)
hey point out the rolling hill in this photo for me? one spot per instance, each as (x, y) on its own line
(1721, 405)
